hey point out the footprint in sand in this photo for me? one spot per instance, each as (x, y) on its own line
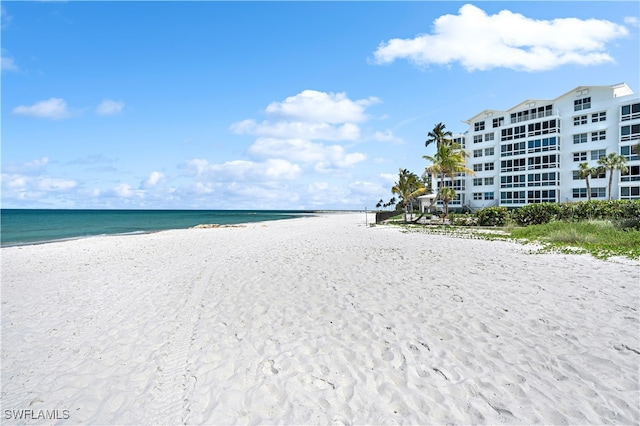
(268, 367)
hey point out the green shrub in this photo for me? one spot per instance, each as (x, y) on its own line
(492, 216)
(536, 214)
(599, 210)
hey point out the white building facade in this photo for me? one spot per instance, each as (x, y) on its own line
(531, 152)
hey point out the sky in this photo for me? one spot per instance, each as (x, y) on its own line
(273, 105)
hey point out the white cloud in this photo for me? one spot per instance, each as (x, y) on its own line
(297, 129)
(109, 107)
(7, 62)
(387, 136)
(314, 106)
(124, 190)
(5, 18)
(368, 189)
(389, 177)
(29, 185)
(632, 20)
(53, 108)
(508, 40)
(325, 158)
(153, 179)
(52, 184)
(311, 115)
(242, 170)
(34, 167)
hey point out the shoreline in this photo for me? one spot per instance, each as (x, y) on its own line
(293, 213)
(317, 320)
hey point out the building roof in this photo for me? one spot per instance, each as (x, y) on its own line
(620, 89)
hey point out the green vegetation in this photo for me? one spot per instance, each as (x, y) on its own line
(407, 188)
(600, 238)
(449, 160)
(602, 228)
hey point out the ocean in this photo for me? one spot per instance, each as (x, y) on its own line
(31, 226)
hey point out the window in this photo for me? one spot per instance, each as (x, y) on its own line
(632, 174)
(477, 138)
(477, 195)
(630, 132)
(595, 192)
(512, 197)
(546, 144)
(497, 122)
(630, 112)
(630, 192)
(580, 138)
(629, 152)
(517, 132)
(598, 153)
(580, 104)
(601, 175)
(488, 166)
(488, 181)
(579, 119)
(580, 156)
(542, 196)
(598, 136)
(543, 128)
(517, 181)
(477, 181)
(598, 192)
(579, 192)
(489, 137)
(599, 116)
(488, 151)
(509, 149)
(477, 167)
(488, 195)
(477, 153)
(544, 162)
(513, 165)
(543, 179)
(460, 141)
(458, 184)
(532, 114)
(478, 126)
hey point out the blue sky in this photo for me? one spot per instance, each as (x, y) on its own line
(273, 105)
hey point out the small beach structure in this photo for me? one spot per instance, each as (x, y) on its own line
(427, 202)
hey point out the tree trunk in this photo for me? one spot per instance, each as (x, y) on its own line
(588, 189)
(610, 182)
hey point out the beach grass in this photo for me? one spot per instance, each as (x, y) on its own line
(599, 238)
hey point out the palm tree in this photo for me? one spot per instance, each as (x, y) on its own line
(447, 194)
(612, 162)
(407, 187)
(585, 172)
(448, 160)
(438, 135)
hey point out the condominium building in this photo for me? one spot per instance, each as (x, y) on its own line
(530, 153)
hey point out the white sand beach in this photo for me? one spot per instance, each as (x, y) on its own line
(319, 320)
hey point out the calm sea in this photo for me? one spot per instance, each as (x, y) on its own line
(20, 226)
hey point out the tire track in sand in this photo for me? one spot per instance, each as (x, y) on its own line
(169, 402)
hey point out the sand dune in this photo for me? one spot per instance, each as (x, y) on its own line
(316, 321)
